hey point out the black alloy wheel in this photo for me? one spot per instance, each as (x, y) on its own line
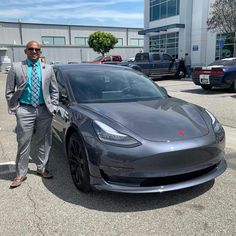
(78, 163)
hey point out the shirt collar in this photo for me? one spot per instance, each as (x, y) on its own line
(30, 63)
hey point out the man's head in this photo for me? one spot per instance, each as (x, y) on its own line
(33, 50)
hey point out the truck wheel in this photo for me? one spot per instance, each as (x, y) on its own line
(233, 86)
(180, 75)
(206, 87)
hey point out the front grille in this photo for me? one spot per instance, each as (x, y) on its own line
(159, 181)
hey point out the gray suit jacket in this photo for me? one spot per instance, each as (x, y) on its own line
(16, 83)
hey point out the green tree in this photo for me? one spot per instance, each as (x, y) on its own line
(222, 18)
(102, 42)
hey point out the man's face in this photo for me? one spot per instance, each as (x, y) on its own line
(33, 51)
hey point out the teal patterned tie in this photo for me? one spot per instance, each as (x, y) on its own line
(34, 87)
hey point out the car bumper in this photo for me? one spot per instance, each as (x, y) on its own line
(216, 81)
(101, 184)
(156, 168)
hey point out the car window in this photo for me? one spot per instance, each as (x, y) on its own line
(167, 57)
(116, 58)
(107, 58)
(98, 58)
(111, 86)
(60, 82)
(142, 57)
(156, 57)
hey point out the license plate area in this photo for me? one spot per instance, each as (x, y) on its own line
(204, 79)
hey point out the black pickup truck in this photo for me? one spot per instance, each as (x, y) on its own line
(156, 65)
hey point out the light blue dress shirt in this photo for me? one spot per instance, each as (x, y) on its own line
(26, 95)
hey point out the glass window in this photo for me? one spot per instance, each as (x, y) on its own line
(120, 42)
(167, 43)
(167, 57)
(113, 85)
(59, 40)
(224, 46)
(171, 8)
(81, 41)
(142, 57)
(136, 42)
(160, 9)
(53, 40)
(156, 57)
(47, 40)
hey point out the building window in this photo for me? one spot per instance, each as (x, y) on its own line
(160, 9)
(224, 46)
(136, 42)
(120, 42)
(81, 41)
(53, 40)
(168, 43)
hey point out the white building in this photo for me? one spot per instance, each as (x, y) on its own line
(179, 26)
(63, 43)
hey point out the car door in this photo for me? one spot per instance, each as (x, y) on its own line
(142, 60)
(166, 61)
(61, 117)
(157, 64)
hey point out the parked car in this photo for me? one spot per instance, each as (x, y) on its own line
(220, 73)
(129, 59)
(55, 62)
(121, 132)
(156, 65)
(107, 59)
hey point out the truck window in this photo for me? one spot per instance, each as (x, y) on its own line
(107, 59)
(116, 58)
(156, 57)
(167, 57)
(142, 57)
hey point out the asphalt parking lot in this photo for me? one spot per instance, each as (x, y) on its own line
(55, 207)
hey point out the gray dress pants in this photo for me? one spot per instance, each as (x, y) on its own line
(33, 121)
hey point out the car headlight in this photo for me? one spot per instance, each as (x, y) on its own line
(217, 127)
(109, 135)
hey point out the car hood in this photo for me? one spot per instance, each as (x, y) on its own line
(168, 119)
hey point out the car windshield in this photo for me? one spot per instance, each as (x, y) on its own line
(114, 85)
(224, 62)
(98, 58)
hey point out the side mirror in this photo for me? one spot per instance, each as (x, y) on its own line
(164, 91)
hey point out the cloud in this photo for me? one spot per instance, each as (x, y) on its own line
(109, 12)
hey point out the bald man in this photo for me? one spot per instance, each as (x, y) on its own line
(32, 95)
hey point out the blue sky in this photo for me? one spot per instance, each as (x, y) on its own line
(124, 13)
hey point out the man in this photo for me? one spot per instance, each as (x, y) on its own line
(187, 63)
(32, 95)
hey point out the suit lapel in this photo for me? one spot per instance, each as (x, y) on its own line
(25, 70)
(42, 67)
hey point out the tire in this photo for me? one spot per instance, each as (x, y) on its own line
(233, 86)
(206, 87)
(180, 75)
(78, 163)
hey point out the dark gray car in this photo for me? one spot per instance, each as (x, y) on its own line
(123, 133)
